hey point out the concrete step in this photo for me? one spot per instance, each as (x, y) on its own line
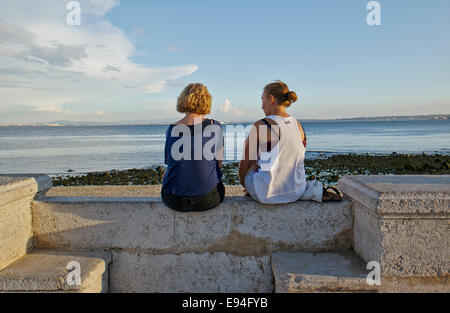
(297, 272)
(46, 271)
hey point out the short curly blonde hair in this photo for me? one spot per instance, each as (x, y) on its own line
(196, 99)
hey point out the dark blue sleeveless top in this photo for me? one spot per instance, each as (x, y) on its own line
(190, 177)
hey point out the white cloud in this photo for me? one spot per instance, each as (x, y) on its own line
(55, 108)
(42, 58)
(101, 113)
(230, 111)
(98, 7)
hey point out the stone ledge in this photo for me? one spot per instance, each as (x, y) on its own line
(296, 272)
(15, 188)
(123, 191)
(239, 226)
(8, 183)
(341, 272)
(45, 271)
(406, 194)
(43, 181)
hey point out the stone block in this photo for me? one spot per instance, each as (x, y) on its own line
(46, 271)
(239, 226)
(191, 272)
(298, 272)
(302, 272)
(84, 223)
(403, 222)
(302, 225)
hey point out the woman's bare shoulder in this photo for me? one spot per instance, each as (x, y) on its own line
(302, 131)
(261, 121)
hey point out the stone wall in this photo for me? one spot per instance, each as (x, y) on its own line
(403, 222)
(156, 249)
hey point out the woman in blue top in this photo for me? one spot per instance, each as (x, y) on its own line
(193, 154)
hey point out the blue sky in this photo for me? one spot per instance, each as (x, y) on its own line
(130, 59)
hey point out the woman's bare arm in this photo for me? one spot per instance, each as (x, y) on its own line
(250, 156)
(302, 131)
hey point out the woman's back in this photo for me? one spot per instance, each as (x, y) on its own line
(191, 173)
(281, 175)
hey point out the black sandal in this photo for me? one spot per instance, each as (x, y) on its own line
(333, 196)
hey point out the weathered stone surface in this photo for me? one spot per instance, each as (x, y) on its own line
(44, 182)
(297, 272)
(198, 273)
(88, 224)
(367, 233)
(15, 218)
(15, 231)
(394, 284)
(201, 231)
(105, 255)
(239, 226)
(45, 271)
(415, 248)
(403, 222)
(123, 191)
(405, 194)
(297, 226)
(15, 188)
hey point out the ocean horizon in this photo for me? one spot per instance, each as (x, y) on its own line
(82, 149)
(59, 123)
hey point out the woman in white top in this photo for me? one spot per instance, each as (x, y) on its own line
(272, 168)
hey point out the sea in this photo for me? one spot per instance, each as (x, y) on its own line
(74, 150)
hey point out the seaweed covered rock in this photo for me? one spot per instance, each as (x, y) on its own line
(327, 170)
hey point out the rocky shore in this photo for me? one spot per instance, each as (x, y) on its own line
(327, 170)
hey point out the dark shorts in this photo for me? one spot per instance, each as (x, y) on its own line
(194, 204)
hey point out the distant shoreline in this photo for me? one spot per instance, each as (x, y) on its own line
(164, 123)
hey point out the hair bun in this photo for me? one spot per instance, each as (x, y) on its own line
(291, 96)
(280, 91)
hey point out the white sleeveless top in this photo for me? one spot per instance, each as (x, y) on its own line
(281, 175)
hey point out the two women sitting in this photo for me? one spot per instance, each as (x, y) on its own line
(271, 170)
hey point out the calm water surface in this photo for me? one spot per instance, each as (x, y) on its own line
(54, 150)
